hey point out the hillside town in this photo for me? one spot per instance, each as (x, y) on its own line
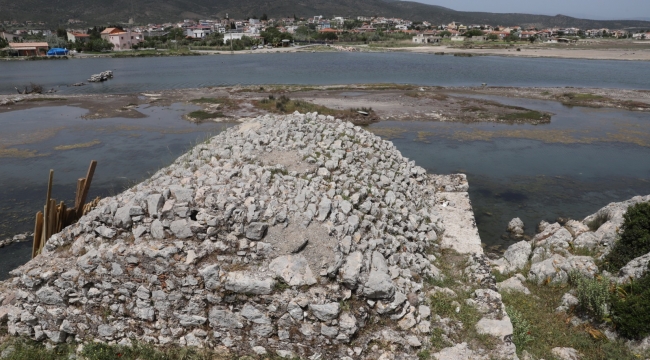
(34, 39)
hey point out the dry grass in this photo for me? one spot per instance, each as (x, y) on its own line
(78, 146)
(550, 329)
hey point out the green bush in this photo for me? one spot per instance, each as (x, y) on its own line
(521, 334)
(592, 294)
(635, 239)
(631, 309)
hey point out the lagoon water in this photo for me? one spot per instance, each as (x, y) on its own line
(159, 73)
(584, 159)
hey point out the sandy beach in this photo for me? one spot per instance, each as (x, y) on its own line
(634, 54)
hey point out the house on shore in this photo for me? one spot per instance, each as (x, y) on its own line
(77, 37)
(122, 39)
(29, 48)
(426, 39)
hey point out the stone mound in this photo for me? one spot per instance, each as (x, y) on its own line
(289, 234)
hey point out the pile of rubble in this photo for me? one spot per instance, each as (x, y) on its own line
(299, 235)
(103, 76)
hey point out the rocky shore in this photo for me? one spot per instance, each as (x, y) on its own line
(559, 250)
(297, 235)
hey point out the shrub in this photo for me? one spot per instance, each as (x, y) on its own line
(520, 328)
(631, 309)
(592, 294)
(635, 239)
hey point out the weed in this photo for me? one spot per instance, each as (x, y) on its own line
(592, 294)
(280, 286)
(597, 221)
(521, 328)
(202, 115)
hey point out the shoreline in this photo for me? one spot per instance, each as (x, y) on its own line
(475, 49)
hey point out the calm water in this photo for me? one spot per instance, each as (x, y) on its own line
(127, 150)
(527, 171)
(147, 74)
(583, 160)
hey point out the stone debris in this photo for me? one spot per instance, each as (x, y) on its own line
(233, 247)
(549, 252)
(515, 283)
(516, 227)
(103, 76)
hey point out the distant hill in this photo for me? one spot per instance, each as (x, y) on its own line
(102, 12)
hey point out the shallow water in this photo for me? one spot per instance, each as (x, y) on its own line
(126, 150)
(535, 178)
(160, 73)
(581, 161)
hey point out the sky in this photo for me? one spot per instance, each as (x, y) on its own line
(591, 9)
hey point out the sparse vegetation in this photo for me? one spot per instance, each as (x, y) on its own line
(202, 115)
(527, 115)
(521, 328)
(284, 105)
(592, 294)
(551, 329)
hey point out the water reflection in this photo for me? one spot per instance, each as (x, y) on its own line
(127, 151)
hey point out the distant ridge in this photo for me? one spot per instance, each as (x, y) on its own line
(94, 12)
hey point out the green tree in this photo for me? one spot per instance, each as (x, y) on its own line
(3, 43)
(493, 37)
(62, 33)
(326, 36)
(274, 36)
(474, 32)
(264, 17)
(445, 33)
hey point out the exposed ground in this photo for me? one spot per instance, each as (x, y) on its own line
(380, 101)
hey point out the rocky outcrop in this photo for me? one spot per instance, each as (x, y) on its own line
(550, 253)
(282, 232)
(102, 76)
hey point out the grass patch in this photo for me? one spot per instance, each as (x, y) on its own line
(284, 105)
(45, 99)
(550, 329)
(19, 153)
(582, 97)
(78, 146)
(202, 115)
(527, 115)
(225, 102)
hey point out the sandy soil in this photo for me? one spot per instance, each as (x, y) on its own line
(568, 52)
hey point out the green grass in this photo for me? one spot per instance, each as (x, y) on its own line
(284, 105)
(30, 350)
(226, 102)
(583, 96)
(526, 115)
(550, 329)
(202, 115)
(45, 99)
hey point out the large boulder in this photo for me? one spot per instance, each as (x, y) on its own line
(514, 258)
(633, 270)
(244, 283)
(293, 270)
